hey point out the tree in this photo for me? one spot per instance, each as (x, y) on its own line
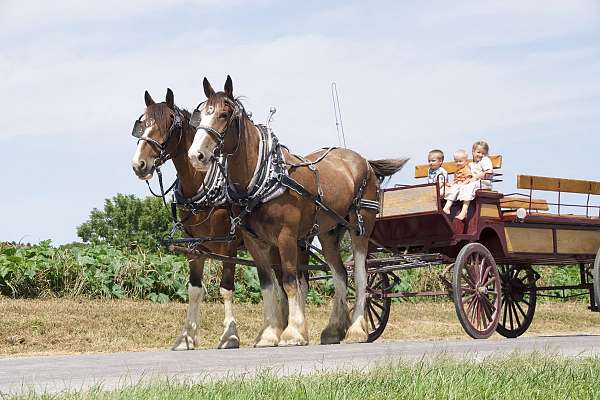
(127, 221)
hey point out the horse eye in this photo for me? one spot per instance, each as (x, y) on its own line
(223, 115)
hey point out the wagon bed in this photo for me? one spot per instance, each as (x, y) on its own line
(490, 259)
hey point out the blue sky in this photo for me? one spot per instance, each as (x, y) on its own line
(412, 75)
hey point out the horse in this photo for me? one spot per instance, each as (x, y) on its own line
(324, 193)
(164, 132)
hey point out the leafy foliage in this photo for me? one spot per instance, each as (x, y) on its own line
(127, 222)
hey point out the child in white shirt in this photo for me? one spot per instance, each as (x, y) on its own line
(436, 174)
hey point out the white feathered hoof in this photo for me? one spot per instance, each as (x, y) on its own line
(230, 338)
(184, 342)
(291, 336)
(268, 338)
(357, 333)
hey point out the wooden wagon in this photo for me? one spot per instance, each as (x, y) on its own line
(491, 263)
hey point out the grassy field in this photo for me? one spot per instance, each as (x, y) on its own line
(82, 325)
(523, 377)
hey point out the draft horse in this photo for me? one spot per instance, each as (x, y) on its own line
(164, 132)
(324, 193)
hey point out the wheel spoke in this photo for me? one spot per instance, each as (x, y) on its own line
(375, 312)
(521, 309)
(370, 315)
(378, 305)
(504, 312)
(510, 317)
(491, 306)
(516, 315)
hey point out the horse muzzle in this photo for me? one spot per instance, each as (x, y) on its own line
(142, 170)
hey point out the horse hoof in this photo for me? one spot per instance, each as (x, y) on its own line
(292, 337)
(356, 333)
(266, 343)
(232, 342)
(184, 342)
(230, 338)
(268, 338)
(332, 335)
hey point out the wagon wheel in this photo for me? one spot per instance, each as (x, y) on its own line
(377, 307)
(596, 279)
(518, 300)
(476, 290)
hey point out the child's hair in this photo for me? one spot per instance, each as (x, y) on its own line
(437, 153)
(460, 153)
(483, 144)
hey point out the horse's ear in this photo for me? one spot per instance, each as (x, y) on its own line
(170, 99)
(148, 99)
(229, 87)
(208, 90)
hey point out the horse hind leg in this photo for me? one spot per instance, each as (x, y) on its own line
(230, 338)
(188, 339)
(358, 333)
(339, 320)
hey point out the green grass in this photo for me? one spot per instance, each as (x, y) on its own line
(522, 377)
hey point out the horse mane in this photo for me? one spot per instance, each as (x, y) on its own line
(387, 167)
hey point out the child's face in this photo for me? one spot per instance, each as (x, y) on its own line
(478, 153)
(460, 161)
(435, 161)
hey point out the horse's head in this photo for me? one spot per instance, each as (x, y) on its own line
(219, 122)
(159, 131)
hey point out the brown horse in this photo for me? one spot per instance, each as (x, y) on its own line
(165, 132)
(340, 179)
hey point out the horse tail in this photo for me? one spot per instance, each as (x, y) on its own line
(389, 167)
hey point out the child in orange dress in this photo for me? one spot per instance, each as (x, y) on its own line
(462, 176)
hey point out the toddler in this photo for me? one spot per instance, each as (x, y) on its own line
(462, 176)
(481, 170)
(436, 173)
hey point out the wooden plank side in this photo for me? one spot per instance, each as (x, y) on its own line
(514, 203)
(529, 240)
(558, 184)
(577, 242)
(489, 210)
(410, 200)
(422, 170)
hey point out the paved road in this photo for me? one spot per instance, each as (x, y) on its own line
(56, 373)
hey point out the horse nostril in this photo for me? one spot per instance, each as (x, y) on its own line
(141, 164)
(200, 156)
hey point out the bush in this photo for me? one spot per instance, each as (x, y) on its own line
(128, 222)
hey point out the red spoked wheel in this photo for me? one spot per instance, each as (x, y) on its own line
(518, 300)
(476, 291)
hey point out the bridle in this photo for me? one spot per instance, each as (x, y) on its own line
(160, 148)
(220, 136)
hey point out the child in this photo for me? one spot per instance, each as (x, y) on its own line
(481, 170)
(436, 173)
(481, 167)
(462, 176)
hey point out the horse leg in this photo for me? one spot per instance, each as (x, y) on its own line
(339, 320)
(273, 318)
(188, 340)
(358, 331)
(230, 338)
(295, 286)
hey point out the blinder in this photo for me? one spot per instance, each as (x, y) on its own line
(138, 128)
(196, 117)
